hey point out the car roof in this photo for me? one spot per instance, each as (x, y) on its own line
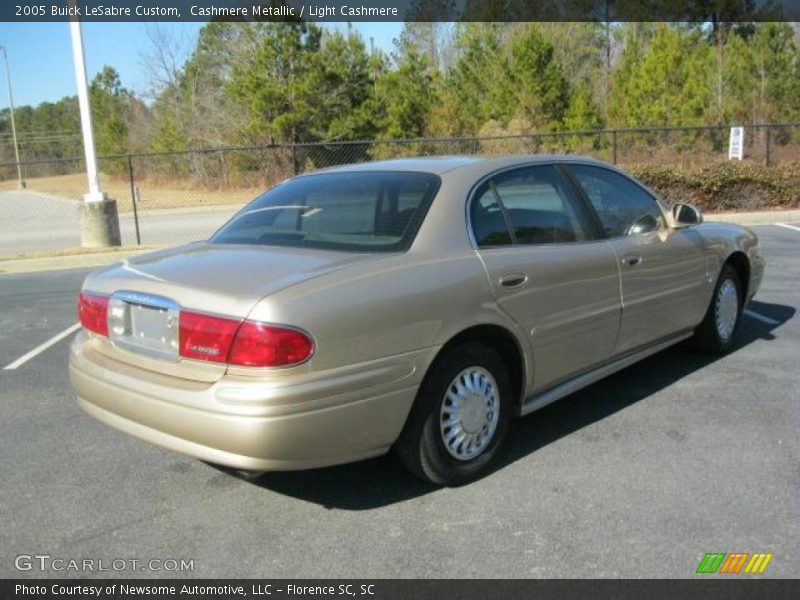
(439, 165)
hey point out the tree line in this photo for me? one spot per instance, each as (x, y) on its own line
(51, 130)
(263, 83)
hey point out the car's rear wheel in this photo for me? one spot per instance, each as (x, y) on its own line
(459, 418)
(717, 333)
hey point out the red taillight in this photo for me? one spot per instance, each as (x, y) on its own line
(244, 343)
(261, 345)
(205, 337)
(92, 312)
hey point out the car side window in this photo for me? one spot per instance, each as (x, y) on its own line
(540, 208)
(488, 222)
(619, 202)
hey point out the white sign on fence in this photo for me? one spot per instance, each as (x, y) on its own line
(736, 144)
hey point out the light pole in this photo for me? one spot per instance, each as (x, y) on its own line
(99, 218)
(94, 195)
(20, 181)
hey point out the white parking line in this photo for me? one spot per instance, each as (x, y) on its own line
(761, 318)
(41, 348)
(795, 227)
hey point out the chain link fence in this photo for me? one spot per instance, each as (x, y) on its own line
(180, 196)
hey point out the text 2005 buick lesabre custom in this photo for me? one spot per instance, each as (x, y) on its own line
(408, 304)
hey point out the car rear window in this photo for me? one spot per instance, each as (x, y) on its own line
(354, 211)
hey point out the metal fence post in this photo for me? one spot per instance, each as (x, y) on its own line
(294, 159)
(614, 144)
(767, 144)
(133, 201)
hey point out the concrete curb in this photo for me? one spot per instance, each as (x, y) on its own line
(57, 263)
(765, 217)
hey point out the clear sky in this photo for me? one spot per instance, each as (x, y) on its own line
(40, 54)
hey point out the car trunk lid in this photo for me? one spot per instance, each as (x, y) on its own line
(149, 291)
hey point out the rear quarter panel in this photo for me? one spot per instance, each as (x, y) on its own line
(398, 303)
(390, 306)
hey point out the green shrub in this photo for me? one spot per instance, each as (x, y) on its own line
(726, 186)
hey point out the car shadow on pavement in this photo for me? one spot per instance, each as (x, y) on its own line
(382, 481)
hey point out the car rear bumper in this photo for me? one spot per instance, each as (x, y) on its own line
(285, 422)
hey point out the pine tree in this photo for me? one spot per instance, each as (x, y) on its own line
(776, 61)
(110, 105)
(667, 83)
(277, 87)
(582, 115)
(341, 77)
(405, 96)
(480, 83)
(542, 90)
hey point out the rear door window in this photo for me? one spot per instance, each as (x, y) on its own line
(537, 205)
(489, 223)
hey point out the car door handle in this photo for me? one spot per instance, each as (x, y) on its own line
(513, 280)
(632, 261)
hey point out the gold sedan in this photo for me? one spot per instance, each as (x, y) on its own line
(414, 304)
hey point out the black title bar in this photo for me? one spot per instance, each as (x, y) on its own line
(710, 588)
(400, 10)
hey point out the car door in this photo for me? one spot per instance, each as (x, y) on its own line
(663, 269)
(548, 269)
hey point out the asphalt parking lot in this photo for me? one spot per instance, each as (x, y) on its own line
(639, 475)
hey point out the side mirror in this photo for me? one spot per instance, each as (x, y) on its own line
(686, 214)
(644, 224)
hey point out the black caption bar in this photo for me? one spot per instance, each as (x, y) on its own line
(401, 10)
(397, 589)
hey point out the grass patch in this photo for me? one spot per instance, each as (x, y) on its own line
(152, 193)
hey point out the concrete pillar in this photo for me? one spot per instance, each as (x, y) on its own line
(99, 224)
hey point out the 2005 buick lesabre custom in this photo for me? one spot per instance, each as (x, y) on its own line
(409, 304)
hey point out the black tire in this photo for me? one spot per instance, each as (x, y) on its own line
(421, 447)
(707, 337)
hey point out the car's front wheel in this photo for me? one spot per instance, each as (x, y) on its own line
(717, 332)
(459, 418)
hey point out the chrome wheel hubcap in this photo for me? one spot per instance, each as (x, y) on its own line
(727, 308)
(469, 411)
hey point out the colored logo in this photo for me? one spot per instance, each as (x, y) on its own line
(734, 562)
